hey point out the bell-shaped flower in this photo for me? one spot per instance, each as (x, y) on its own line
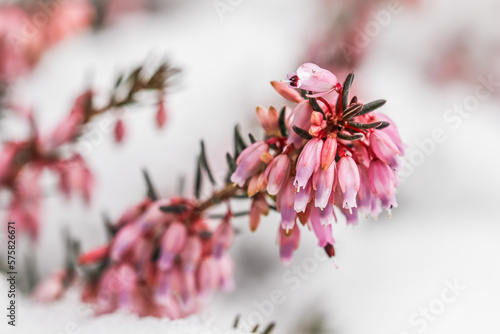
(301, 118)
(248, 162)
(348, 180)
(277, 172)
(313, 78)
(172, 242)
(288, 242)
(384, 148)
(383, 183)
(285, 203)
(308, 162)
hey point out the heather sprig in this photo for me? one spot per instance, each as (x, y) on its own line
(329, 154)
(23, 161)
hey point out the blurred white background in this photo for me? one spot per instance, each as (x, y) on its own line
(446, 228)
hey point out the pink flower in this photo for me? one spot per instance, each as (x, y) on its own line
(303, 197)
(308, 162)
(68, 129)
(18, 54)
(348, 179)
(384, 148)
(257, 184)
(328, 152)
(69, 18)
(124, 241)
(161, 115)
(321, 229)
(366, 200)
(289, 242)
(285, 203)
(258, 208)
(208, 276)
(301, 118)
(391, 131)
(383, 183)
(268, 118)
(277, 172)
(51, 289)
(191, 254)
(172, 243)
(226, 281)
(222, 238)
(313, 78)
(25, 206)
(323, 183)
(75, 176)
(249, 162)
(95, 256)
(287, 92)
(119, 130)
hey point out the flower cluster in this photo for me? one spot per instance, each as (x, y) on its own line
(165, 260)
(328, 151)
(23, 161)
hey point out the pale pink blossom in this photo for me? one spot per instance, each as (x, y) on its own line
(277, 172)
(313, 78)
(301, 118)
(172, 243)
(309, 161)
(288, 242)
(383, 183)
(349, 181)
(248, 162)
(285, 203)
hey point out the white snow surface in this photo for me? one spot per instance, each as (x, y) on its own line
(444, 232)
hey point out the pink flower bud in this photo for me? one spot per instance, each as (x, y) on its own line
(259, 207)
(119, 131)
(208, 276)
(277, 172)
(301, 117)
(348, 180)
(285, 202)
(191, 254)
(248, 162)
(308, 162)
(269, 120)
(223, 238)
(161, 115)
(172, 242)
(366, 201)
(66, 131)
(323, 182)
(313, 78)
(125, 238)
(391, 131)
(94, 256)
(287, 92)
(225, 265)
(303, 197)
(383, 182)
(384, 148)
(288, 242)
(257, 184)
(320, 227)
(328, 152)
